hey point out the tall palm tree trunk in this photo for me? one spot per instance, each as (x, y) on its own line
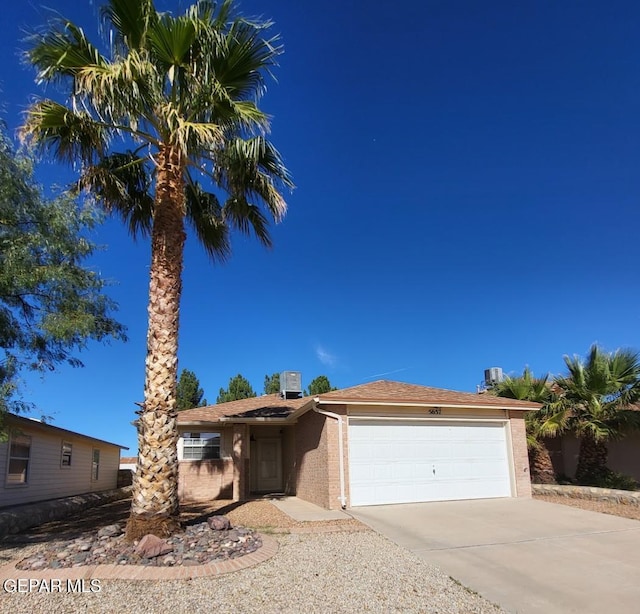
(592, 461)
(154, 507)
(541, 467)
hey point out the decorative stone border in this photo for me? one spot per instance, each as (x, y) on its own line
(628, 497)
(21, 517)
(142, 572)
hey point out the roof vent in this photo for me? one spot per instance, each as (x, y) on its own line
(493, 376)
(291, 384)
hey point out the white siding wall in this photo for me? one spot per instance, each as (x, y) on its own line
(47, 478)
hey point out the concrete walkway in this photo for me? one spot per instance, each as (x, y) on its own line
(530, 557)
(304, 511)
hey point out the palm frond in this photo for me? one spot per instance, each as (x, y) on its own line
(253, 169)
(130, 21)
(171, 41)
(69, 135)
(190, 136)
(61, 52)
(121, 182)
(188, 82)
(242, 56)
(124, 89)
(600, 390)
(205, 216)
(241, 214)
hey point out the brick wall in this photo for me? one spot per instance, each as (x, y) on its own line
(312, 480)
(520, 454)
(333, 460)
(205, 480)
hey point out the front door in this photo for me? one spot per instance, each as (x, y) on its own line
(269, 465)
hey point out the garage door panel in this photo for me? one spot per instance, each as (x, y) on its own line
(402, 462)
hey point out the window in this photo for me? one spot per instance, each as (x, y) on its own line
(201, 446)
(65, 458)
(19, 455)
(95, 464)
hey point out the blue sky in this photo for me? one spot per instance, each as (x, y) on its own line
(468, 177)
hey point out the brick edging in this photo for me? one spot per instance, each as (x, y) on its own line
(629, 497)
(142, 572)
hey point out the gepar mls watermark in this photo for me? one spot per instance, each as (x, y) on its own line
(53, 585)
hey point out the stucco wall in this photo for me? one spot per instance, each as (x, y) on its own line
(624, 455)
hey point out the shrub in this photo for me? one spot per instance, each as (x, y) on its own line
(619, 481)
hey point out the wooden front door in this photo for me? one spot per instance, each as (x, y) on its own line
(269, 465)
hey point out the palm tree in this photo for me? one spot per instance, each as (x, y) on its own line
(598, 395)
(546, 422)
(178, 95)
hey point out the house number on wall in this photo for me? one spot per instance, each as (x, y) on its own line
(436, 411)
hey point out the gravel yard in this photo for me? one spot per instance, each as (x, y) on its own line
(350, 569)
(328, 572)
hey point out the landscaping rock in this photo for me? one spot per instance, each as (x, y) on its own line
(151, 546)
(219, 523)
(197, 545)
(110, 531)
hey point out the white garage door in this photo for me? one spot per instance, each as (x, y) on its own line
(411, 461)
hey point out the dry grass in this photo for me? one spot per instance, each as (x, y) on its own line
(264, 516)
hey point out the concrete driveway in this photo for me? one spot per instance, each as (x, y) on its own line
(525, 555)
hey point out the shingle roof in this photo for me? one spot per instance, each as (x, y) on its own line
(398, 392)
(31, 422)
(267, 406)
(383, 391)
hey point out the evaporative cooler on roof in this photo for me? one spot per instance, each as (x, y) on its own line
(493, 376)
(290, 384)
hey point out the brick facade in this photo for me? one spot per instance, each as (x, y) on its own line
(309, 451)
(520, 454)
(312, 476)
(205, 480)
(333, 460)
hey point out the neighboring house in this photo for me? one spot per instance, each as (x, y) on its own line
(128, 466)
(39, 461)
(382, 442)
(128, 463)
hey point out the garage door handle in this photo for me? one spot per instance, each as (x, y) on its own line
(434, 470)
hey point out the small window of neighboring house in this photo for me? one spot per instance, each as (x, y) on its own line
(65, 459)
(19, 456)
(95, 464)
(200, 446)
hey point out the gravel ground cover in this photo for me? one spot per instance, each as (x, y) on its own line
(326, 572)
(348, 569)
(604, 507)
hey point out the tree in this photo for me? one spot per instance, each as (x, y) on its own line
(50, 303)
(540, 424)
(320, 385)
(178, 95)
(188, 391)
(597, 394)
(239, 388)
(272, 383)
